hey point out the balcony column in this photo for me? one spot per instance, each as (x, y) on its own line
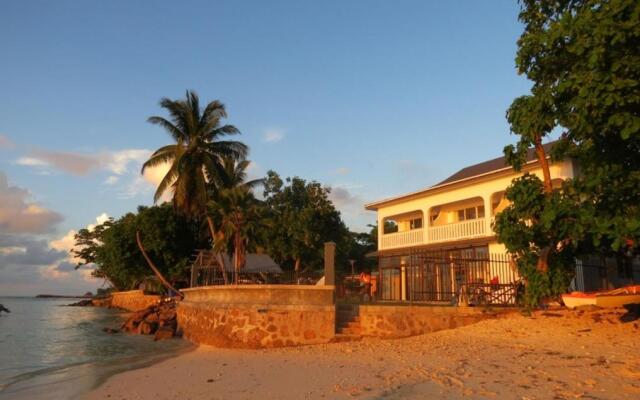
(380, 232)
(426, 225)
(487, 215)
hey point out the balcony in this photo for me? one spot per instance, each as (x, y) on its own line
(437, 234)
(457, 230)
(413, 237)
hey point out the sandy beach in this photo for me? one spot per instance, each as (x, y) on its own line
(554, 354)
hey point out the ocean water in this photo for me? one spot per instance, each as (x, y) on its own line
(49, 351)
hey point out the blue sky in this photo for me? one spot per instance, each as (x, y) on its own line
(372, 98)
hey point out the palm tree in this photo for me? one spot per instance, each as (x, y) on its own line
(240, 218)
(232, 174)
(198, 153)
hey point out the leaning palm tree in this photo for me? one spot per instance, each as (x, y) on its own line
(196, 156)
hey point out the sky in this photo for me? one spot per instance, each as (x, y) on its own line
(370, 98)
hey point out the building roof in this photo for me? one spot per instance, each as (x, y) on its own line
(255, 263)
(489, 166)
(466, 174)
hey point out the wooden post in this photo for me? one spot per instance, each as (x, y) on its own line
(329, 263)
(193, 274)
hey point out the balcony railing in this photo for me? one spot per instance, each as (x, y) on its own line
(457, 230)
(402, 239)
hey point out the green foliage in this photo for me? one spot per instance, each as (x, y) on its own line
(536, 222)
(240, 219)
(303, 219)
(111, 247)
(582, 57)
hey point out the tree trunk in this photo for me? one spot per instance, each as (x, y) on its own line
(544, 164)
(543, 259)
(236, 255)
(297, 266)
(153, 267)
(212, 232)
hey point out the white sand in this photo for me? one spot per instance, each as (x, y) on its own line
(562, 355)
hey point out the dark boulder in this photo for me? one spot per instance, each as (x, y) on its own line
(164, 332)
(158, 319)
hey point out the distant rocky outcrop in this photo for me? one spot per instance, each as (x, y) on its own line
(158, 320)
(82, 303)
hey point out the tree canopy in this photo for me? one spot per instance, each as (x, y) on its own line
(582, 57)
(303, 218)
(168, 238)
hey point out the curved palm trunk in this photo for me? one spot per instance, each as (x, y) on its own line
(543, 258)
(223, 267)
(165, 283)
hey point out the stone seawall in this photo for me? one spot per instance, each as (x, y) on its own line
(133, 300)
(258, 316)
(386, 321)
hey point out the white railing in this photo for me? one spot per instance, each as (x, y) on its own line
(402, 239)
(457, 230)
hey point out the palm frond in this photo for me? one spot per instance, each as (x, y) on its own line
(168, 180)
(215, 110)
(216, 132)
(177, 110)
(173, 130)
(157, 160)
(228, 148)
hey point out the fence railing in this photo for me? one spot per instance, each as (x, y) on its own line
(402, 239)
(442, 277)
(209, 276)
(457, 230)
(594, 275)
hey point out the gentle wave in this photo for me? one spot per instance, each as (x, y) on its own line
(52, 352)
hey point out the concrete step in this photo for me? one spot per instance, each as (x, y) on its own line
(339, 337)
(347, 322)
(350, 331)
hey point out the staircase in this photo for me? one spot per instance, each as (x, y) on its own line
(347, 323)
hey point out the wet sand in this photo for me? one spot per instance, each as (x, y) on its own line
(557, 354)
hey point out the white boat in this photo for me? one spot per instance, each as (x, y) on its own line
(609, 298)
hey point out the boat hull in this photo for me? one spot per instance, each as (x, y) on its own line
(574, 300)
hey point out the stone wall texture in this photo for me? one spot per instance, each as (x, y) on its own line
(255, 316)
(387, 321)
(133, 300)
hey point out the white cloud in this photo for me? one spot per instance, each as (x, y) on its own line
(118, 162)
(273, 135)
(31, 162)
(19, 214)
(112, 180)
(341, 171)
(64, 244)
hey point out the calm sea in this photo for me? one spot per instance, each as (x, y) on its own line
(49, 351)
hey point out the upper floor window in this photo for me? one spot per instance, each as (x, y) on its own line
(415, 223)
(468, 213)
(390, 226)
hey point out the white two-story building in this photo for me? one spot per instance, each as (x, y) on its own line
(437, 240)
